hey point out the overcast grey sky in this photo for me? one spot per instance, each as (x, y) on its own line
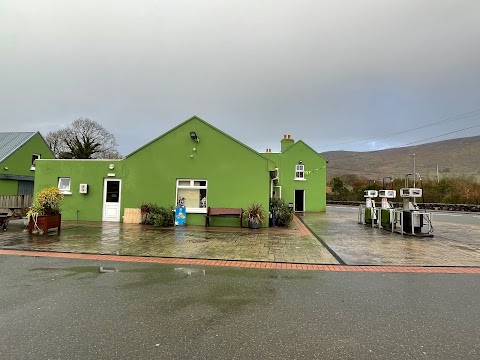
(327, 72)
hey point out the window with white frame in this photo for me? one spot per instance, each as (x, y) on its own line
(299, 172)
(35, 157)
(193, 194)
(64, 185)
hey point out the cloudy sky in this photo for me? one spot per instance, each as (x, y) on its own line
(338, 74)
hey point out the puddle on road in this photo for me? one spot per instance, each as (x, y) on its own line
(189, 271)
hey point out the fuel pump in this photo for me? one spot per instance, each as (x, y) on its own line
(366, 212)
(411, 220)
(386, 213)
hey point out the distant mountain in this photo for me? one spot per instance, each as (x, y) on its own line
(455, 157)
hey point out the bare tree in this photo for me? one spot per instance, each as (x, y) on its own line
(83, 139)
(56, 143)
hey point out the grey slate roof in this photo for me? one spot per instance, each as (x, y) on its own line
(11, 141)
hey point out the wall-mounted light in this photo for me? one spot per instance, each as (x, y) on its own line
(6, 167)
(111, 166)
(300, 162)
(32, 168)
(194, 137)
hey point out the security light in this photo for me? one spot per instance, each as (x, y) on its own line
(193, 136)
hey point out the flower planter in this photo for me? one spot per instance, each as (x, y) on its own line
(253, 225)
(45, 222)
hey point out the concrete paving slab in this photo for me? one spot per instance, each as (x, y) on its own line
(456, 242)
(274, 245)
(453, 244)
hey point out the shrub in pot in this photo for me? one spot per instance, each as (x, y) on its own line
(255, 215)
(47, 206)
(281, 212)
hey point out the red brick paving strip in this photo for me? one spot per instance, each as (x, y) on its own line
(301, 227)
(250, 264)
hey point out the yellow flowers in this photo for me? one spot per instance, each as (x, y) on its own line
(48, 202)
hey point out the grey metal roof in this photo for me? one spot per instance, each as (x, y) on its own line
(11, 141)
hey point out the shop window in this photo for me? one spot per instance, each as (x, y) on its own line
(193, 194)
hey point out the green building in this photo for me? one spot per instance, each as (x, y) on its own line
(194, 161)
(301, 175)
(18, 154)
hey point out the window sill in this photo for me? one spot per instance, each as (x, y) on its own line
(196, 210)
(65, 192)
(300, 179)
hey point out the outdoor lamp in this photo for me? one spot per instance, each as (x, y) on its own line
(193, 136)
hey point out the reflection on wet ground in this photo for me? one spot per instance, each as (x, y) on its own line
(354, 244)
(277, 245)
(452, 245)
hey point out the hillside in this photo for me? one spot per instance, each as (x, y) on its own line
(455, 157)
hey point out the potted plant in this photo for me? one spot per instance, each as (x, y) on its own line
(282, 215)
(45, 213)
(23, 215)
(255, 215)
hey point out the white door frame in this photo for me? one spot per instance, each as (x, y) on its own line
(279, 192)
(294, 200)
(111, 210)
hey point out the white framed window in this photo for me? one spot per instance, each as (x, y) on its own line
(35, 157)
(193, 194)
(64, 185)
(299, 172)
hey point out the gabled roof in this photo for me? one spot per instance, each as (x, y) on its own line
(12, 141)
(308, 146)
(206, 123)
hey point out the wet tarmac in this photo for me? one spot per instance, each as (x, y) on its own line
(80, 309)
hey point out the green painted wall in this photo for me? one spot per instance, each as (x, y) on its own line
(20, 161)
(8, 187)
(315, 175)
(236, 175)
(87, 207)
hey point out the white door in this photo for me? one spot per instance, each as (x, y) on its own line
(111, 199)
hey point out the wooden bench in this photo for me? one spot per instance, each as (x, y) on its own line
(224, 212)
